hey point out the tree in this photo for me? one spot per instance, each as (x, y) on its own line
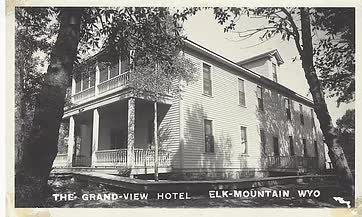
(284, 21)
(81, 29)
(346, 135)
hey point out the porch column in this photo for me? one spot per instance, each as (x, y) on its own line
(95, 137)
(71, 141)
(131, 131)
(96, 90)
(72, 88)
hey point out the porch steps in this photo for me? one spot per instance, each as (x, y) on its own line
(194, 186)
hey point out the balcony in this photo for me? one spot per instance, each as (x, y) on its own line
(114, 84)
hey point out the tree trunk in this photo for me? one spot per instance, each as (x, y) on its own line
(329, 131)
(40, 147)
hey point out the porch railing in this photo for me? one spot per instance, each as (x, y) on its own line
(147, 158)
(289, 162)
(116, 156)
(61, 160)
(82, 161)
(84, 94)
(113, 83)
(142, 158)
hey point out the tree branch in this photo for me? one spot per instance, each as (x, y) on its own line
(295, 30)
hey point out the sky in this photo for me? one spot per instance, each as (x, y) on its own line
(204, 30)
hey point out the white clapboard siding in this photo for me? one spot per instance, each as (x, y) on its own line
(228, 116)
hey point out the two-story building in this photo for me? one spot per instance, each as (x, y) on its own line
(234, 121)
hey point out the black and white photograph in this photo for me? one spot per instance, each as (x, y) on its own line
(184, 107)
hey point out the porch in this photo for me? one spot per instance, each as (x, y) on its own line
(114, 136)
(117, 158)
(289, 163)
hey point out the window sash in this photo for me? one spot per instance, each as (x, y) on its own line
(241, 92)
(275, 76)
(260, 98)
(305, 151)
(243, 140)
(263, 141)
(209, 138)
(276, 146)
(207, 85)
(291, 144)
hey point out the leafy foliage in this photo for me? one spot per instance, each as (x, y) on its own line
(335, 51)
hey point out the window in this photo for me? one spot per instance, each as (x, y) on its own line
(259, 93)
(312, 117)
(305, 151)
(209, 138)
(103, 72)
(263, 142)
(78, 84)
(287, 108)
(243, 140)
(241, 92)
(85, 80)
(291, 144)
(92, 78)
(207, 79)
(125, 65)
(276, 146)
(114, 70)
(275, 76)
(316, 149)
(301, 114)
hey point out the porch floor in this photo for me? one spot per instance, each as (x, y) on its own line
(109, 170)
(182, 186)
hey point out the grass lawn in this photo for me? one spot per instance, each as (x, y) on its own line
(328, 190)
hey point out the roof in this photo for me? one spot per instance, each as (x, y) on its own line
(268, 54)
(261, 79)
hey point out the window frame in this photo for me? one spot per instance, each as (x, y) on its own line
(288, 108)
(276, 154)
(246, 150)
(305, 149)
(301, 115)
(274, 72)
(291, 146)
(203, 79)
(241, 92)
(263, 141)
(209, 149)
(261, 99)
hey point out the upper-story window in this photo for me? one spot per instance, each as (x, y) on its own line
(243, 140)
(291, 146)
(84, 80)
(274, 68)
(114, 68)
(209, 138)
(241, 92)
(276, 146)
(305, 151)
(301, 114)
(259, 94)
(312, 117)
(206, 69)
(263, 142)
(287, 108)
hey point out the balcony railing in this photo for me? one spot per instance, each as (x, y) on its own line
(289, 162)
(119, 81)
(115, 82)
(84, 94)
